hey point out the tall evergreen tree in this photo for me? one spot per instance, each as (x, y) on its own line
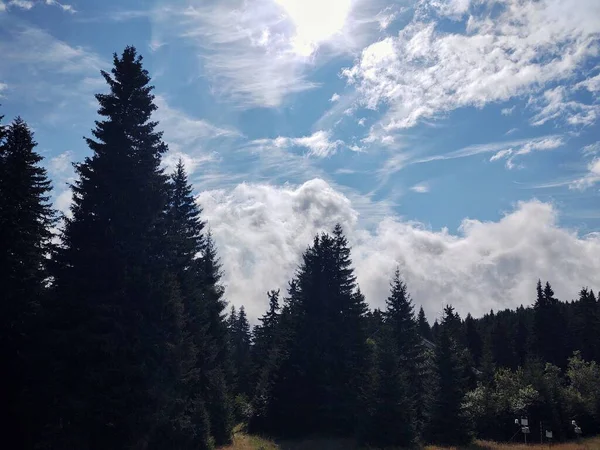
(25, 221)
(586, 326)
(423, 325)
(241, 338)
(448, 424)
(194, 263)
(219, 370)
(474, 343)
(549, 327)
(399, 317)
(319, 378)
(119, 305)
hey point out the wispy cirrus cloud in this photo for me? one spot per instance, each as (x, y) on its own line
(29, 4)
(257, 54)
(421, 188)
(318, 144)
(501, 150)
(591, 178)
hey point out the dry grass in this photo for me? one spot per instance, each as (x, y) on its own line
(242, 441)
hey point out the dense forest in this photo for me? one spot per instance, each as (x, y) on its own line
(116, 333)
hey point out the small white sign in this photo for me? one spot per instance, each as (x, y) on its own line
(549, 434)
(524, 422)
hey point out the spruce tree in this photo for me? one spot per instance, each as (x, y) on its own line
(586, 326)
(241, 339)
(120, 322)
(194, 263)
(25, 221)
(218, 385)
(423, 325)
(399, 317)
(448, 423)
(392, 421)
(323, 328)
(474, 344)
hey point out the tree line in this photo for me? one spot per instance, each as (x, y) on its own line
(115, 334)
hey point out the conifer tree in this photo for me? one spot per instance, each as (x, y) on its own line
(219, 370)
(120, 309)
(399, 317)
(323, 329)
(474, 344)
(25, 221)
(448, 424)
(194, 262)
(586, 326)
(423, 325)
(240, 346)
(392, 422)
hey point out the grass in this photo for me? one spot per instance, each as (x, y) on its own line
(243, 441)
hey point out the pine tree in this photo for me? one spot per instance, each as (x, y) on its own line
(447, 421)
(423, 325)
(25, 221)
(120, 341)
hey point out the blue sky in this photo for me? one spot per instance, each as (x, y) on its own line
(458, 139)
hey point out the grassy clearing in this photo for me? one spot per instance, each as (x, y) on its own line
(244, 441)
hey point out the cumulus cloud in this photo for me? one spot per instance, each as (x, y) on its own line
(335, 97)
(509, 49)
(261, 231)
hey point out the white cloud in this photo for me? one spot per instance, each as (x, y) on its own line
(50, 74)
(28, 4)
(318, 144)
(420, 188)
(61, 169)
(555, 104)
(424, 72)
(591, 149)
(506, 149)
(590, 179)
(23, 4)
(508, 111)
(258, 53)
(65, 7)
(334, 98)
(261, 231)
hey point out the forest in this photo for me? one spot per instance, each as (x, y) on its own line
(116, 332)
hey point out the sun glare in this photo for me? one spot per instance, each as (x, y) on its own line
(316, 21)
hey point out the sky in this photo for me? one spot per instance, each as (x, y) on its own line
(458, 140)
